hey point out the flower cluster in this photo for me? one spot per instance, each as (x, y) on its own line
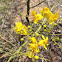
(53, 17)
(20, 28)
(33, 47)
(37, 17)
(45, 12)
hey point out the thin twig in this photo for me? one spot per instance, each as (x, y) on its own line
(7, 40)
(28, 8)
(37, 4)
(55, 5)
(55, 34)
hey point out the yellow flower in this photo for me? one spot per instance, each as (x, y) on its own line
(33, 45)
(37, 50)
(24, 32)
(43, 42)
(20, 29)
(30, 54)
(34, 48)
(53, 18)
(36, 57)
(24, 27)
(56, 16)
(45, 12)
(33, 13)
(33, 39)
(18, 24)
(37, 18)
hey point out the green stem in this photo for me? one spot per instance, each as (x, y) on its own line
(17, 51)
(37, 30)
(55, 34)
(55, 5)
(57, 44)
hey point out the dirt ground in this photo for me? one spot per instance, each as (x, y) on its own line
(10, 11)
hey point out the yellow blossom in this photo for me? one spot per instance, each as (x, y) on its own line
(24, 32)
(37, 18)
(37, 50)
(33, 39)
(33, 13)
(56, 16)
(18, 24)
(53, 18)
(34, 47)
(45, 12)
(43, 42)
(30, 54)
(24, 27)
(20, 29)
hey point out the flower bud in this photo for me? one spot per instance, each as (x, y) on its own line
(36, 57)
